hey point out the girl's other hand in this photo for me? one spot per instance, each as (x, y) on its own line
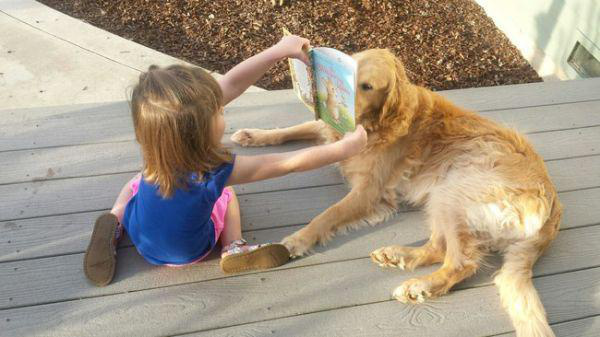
(294, 47)
(354, 142)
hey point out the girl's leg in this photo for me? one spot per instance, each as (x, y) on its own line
(125, 195)
(100, 259)
(237, 255)
(233, 221)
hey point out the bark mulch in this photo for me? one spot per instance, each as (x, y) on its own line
(444, 44)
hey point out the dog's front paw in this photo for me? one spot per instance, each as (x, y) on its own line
(391, 256)
(297, 244)
(246, 137)
(254, 137)
(413, 291)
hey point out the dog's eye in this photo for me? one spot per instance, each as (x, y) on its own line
(366, 86)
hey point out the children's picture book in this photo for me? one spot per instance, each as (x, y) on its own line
(327, 86)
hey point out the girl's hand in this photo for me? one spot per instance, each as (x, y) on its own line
(293, 46)
(354, 142)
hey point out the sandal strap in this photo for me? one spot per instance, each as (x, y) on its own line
(238, 247)
(235, 243)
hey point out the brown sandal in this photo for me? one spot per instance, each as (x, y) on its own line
(100, 257)
(264, 257)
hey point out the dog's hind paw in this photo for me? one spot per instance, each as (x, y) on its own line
(413, 291)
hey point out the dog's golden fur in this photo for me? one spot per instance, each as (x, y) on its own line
(482, 187)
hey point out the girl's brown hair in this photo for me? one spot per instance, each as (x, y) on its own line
(173, 111)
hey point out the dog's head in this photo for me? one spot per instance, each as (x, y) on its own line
(384, 96)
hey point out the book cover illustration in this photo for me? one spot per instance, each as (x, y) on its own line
(334, 76)
(327, 87)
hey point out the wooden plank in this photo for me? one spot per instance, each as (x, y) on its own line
(586, 327)
(65, 281)
(525, 95)
(548, 117)
(486, 98)
(107, 123)
(528, 119)
(69, 233)
(141, 300)
(92, 159)
(270, 295)
(35, 199)
(265, 98)
(21, 287)
(480, 99)
(112, 122)
(473, 312)
(564, 177)
(282, 101)
(41, 198)
(69, 161)
(567, 143)
(109, 158)
(14, 117)
(22, 241)
(580, 207)
(121, 108)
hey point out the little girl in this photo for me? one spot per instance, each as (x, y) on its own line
(178, 208)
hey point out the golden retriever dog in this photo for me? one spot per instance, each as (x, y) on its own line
(482, 187)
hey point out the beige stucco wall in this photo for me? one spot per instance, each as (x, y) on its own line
(545, 31)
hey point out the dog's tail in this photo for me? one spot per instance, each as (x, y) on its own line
(521, 300)
(519, 297)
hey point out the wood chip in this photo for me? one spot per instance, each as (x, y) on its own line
(444, 44)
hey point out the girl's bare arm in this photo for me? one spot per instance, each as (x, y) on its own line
(246, 73)
(254, 168)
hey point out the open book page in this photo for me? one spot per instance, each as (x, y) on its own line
(302, 79)
(334, 74)
(302, 82)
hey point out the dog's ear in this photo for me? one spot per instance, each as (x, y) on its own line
(395, 113)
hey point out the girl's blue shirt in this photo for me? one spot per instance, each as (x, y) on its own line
(176, 230)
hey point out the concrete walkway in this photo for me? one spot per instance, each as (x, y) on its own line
(48, 58)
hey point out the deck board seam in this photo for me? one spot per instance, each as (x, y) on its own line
(269, 271)
(275, 190)
(129, 246)
(282, 317)
(132, 140)
(559, 130)
(552, 324)
(246, 194)
(249, 193)
(386, 301)
(533, 106)
(294, 101)
(572, 157)
(484, 284)
(227, 132)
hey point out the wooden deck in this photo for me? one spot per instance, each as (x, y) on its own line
(61, 167)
